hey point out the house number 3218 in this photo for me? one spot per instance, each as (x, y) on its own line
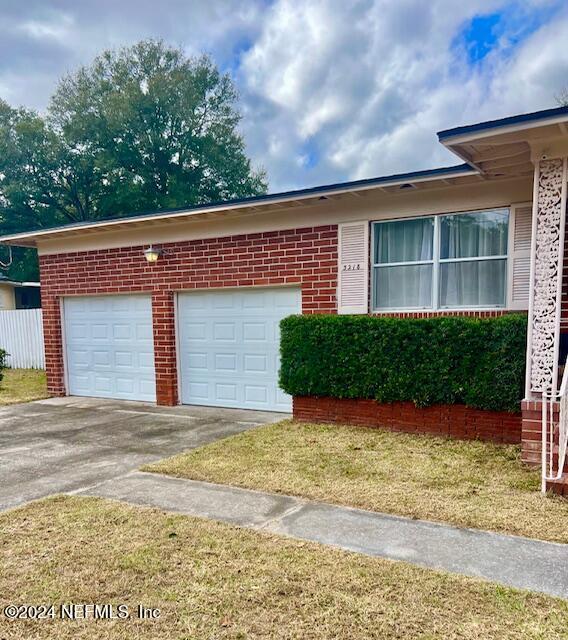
(352, 266)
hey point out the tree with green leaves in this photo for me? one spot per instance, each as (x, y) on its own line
(141, 128)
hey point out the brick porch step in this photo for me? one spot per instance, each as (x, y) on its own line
(560, 487)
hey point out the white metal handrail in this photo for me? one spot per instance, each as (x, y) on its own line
(554, 431)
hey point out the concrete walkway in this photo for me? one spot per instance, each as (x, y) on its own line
(510, 560)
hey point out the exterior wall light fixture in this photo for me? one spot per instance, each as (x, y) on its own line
(152, 254)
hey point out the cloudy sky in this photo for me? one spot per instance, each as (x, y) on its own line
(330, 90)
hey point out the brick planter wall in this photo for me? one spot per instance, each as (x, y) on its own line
(455, 421)
(306, 257)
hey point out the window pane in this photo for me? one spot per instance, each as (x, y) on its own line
(473, 284)
(469, 235)
(403, 287)
(404, 241)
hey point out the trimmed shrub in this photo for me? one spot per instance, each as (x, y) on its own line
(445, 360)
(3, 357)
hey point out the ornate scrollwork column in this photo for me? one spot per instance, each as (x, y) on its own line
(546, 283)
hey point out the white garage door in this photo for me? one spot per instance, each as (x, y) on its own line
(229, 347)
(109, 347)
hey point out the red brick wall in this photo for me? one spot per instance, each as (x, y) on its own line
(307, 257)
(531, 438)
(455, 421)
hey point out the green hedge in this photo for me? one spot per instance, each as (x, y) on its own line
(453, 360)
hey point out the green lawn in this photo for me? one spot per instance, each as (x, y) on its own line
(471, 484)
(22, 385)
(212, 580)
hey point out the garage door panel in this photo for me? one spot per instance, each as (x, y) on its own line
(225, 362)
(103, 384)
(98, 305)
(255, 363)
(144, 333)
(109, 347)
(255, 393)
(194, 302)
(224, 331)
(82, 381)
(195, 330)
(253, 301)
(255, 332)
(123, 359)
(231, 394)
(99, 332)
(224, 302)
(288, 301)
(125, 385)
(146, 361)
(225, 391)
(78, 332)
(229, 347)
(101, 358)
(197, 361)
(198, 390)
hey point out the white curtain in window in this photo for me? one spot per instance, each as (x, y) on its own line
(404, 241)
(470, 235)
(479, 283)
(404, 286)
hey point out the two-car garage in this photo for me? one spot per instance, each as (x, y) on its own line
(227, 346)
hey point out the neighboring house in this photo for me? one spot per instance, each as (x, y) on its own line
(18, 295)
(183, 305)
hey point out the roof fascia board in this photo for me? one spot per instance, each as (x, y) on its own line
(306, 199)
(460, 138)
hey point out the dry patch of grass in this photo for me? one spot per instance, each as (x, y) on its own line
(22, 385)
(470, 484)
(212, 580)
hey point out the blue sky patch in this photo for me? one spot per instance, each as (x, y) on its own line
(502, 30)
(309, 155)
(481, 35)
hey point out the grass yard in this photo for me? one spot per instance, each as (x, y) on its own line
(212, 580)
(470, 484)
(22, 385)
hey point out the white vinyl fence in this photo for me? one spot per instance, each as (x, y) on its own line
(21, 335)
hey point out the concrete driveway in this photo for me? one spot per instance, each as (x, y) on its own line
(69, 444)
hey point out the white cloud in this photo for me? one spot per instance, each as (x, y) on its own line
(57, 27)
(369, 83)
(330, 89)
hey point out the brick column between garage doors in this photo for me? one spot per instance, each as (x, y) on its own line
(163, 320)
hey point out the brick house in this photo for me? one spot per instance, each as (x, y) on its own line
(182, 306)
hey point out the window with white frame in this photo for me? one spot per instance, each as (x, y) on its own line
(441, 262)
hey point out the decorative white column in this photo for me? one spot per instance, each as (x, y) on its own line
(547, 256)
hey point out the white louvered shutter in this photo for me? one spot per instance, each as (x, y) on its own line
(353, 280)
(520, 256)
